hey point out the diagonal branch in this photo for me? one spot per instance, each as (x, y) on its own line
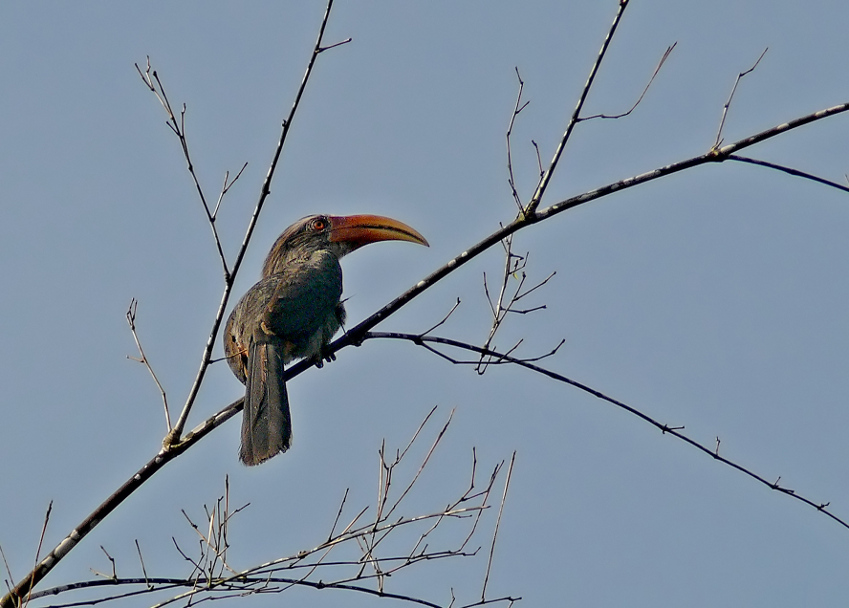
(154, 84)
(727, 105)
(142, 358)
(789, 171)
(675, 431)
(498, 524)
(536, 199)
(663, 59)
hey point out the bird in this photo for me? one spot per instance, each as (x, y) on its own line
(292, 313)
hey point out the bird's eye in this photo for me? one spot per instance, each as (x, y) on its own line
(319, 224)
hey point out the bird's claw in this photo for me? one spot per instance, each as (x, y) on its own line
(321, 358)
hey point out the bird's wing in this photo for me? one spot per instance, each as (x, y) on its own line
(305, 296)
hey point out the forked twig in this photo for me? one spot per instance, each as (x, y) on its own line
(504, 304)
(511, 180)
(154, 84)
(142, 358)
(727, 105)
(536, 199)
(663, 59)
(424, 461)
(675, 431)
(226, 188)
(110, 577)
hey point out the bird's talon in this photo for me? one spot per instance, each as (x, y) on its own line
(320, 359)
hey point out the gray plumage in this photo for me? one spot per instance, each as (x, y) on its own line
(292, 313)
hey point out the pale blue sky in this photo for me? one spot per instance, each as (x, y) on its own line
(714, 299)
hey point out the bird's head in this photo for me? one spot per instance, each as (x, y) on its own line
(337, 234)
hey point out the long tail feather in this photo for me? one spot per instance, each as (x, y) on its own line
(266, 423)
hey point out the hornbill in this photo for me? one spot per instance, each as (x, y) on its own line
(292, 313)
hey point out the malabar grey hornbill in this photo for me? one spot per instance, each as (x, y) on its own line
(292, 313)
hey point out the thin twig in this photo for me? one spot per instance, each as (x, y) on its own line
(424, 461)
(142, 358)
(225, 188)
(338, 515)
(536, 199)
(518, 107)
(110, 577)
(500, 307)
(154, 84)
(789, 171)
(642, 95)
(497, 524)
(727, 105)
(41, 538)
(664, 428)
(10, 582)
(445, 318)
(141, 561)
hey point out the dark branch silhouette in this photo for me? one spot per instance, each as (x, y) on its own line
(426, 340)
(213, 576)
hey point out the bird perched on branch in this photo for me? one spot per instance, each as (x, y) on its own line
(293, 313)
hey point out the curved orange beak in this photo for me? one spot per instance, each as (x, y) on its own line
(358, 230)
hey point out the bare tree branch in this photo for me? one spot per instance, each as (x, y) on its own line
(141, 563)
(226, 188)
(154, 84)
(663, 59)
(504, 304)
(727, 105)
(536, 199)
(497, 524)
(789, 171)
(511, 180)
(142, 358)
(422, 340)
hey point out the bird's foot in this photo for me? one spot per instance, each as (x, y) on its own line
(329, 357)
(319, 360)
